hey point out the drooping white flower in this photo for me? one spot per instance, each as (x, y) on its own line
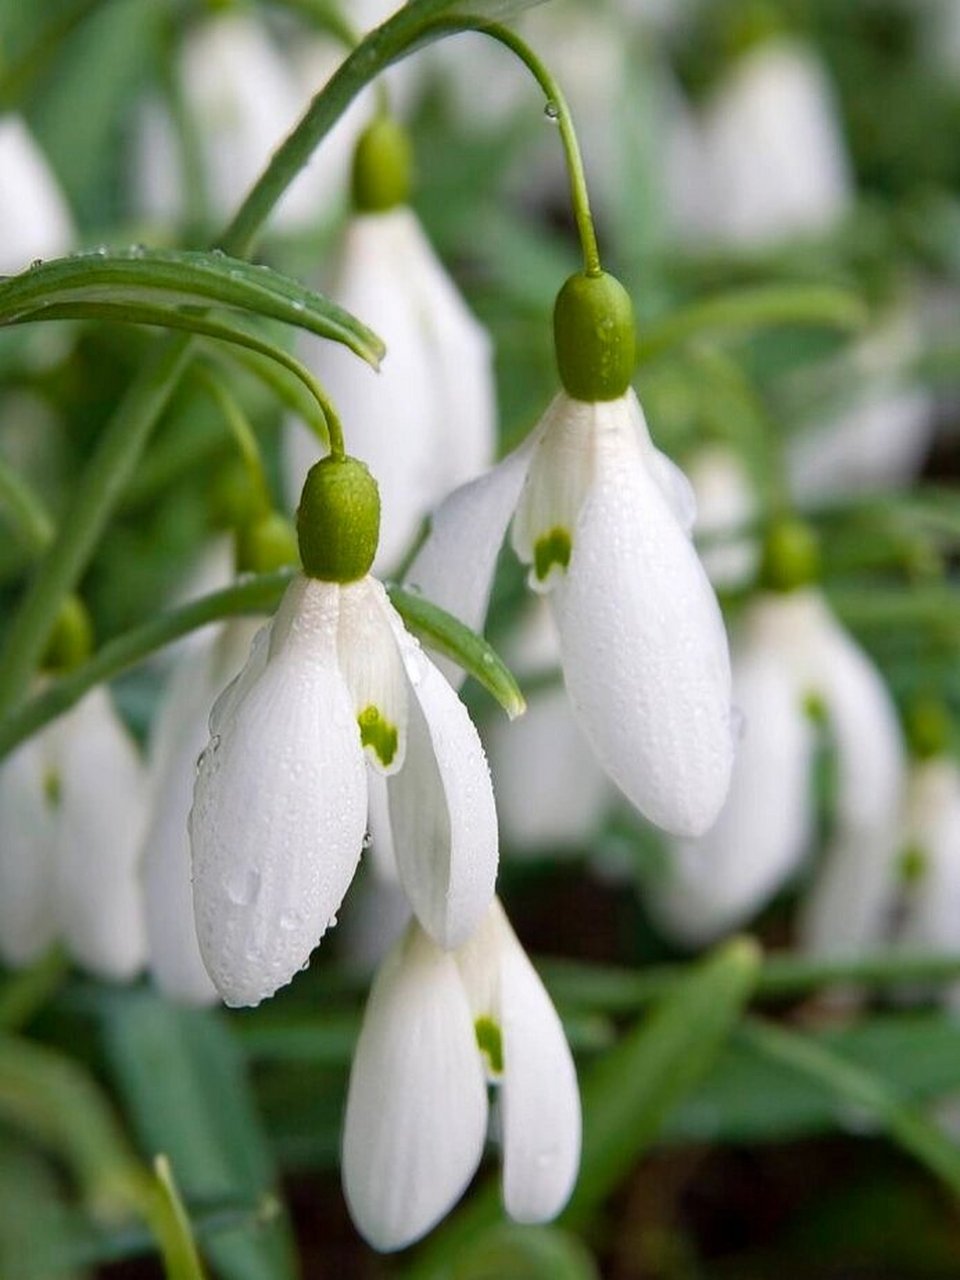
(34, 219)
(929, 868)
(603, 519)
(427, 422)
(792, 655)
(72, 812)
(179, 736)
(774, 147)
(280, 805)
(726, 505)
(437, 1028)
(551, 792)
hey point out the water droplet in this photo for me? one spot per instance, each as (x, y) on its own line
(245, 889)
(101, 251)
(137, 251)
(290, 920)
(218, 253)
(37, 262)
(297, 304)
(552, 111)
(367, 840)
(215, 743)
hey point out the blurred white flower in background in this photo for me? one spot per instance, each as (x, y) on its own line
(928, 870)
(35, 221)
(439, 1026)
(72, 814)
(726, 506)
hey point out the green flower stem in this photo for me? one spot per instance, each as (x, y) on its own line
(28, 514)
(557, 109)
(256, 595)
(609, 990)
(242, 432)
(857, 1087)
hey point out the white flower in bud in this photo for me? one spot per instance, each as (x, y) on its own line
(792, 656)
(180, 734)
(34, 219)
(551, 792)
(726, 506)
(603, 519)
(427, 422)
(773, 142)
(72, 811)
(438, 1027)
(280, 804)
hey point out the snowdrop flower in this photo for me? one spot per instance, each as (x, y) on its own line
(793, 658)
(438, 1027)
(280, 804)
(34, 219)
(929, 862)
(726, 504)
(551, 792)
(774, 147)
(72, 810)
(602, 518)
(426, 423)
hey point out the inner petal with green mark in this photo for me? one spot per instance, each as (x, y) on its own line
(551, 548)
(52, 788)
(912, 866)
(490, 1041)
(377, 733)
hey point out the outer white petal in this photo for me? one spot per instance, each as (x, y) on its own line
(370, 665)
(455, 566)
(717, 882)
(851, 903)
(27, 837)
(932, 915)
(102, 818)
(279, 807)
(417, 1105)
(181, 734)
(539, 1098)
(726, 503)
(774, 144)
(34, 219)
(551, 792)
(442, 811)
(643, 645)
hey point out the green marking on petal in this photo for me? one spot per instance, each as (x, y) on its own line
(912, 865)
(490, 1040)
(52, 788)
(815, 709)
(553, 548)
(378, 733)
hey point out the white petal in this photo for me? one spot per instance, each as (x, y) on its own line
(644, 648)
(279, 807)
(374, 674)
(417, 1105)
(455, 566)
(932, 829)
(441, 807)
(539, 1099)
(102, 818)
(714, 884)
(34, 219)
(849, 907)
(381, 851)
(726, 504)
(28, 819)
(180, 735)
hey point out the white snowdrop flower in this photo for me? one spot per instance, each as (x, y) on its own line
(438, 1027)
(72, 812)
(793, 660)
(774, 146)
(178, 738)
(929, 857)
(880, 435)
(551, 792)
(280, 804)
(603, 519)
(726, 505)
(34, 219)
(427, 422)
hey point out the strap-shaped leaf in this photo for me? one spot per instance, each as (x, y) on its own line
(447, 635)
(147, 277)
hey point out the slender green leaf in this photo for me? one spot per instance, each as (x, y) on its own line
(448, 635)
(167, 278)
(180, 1251)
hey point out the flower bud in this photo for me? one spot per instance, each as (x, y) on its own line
(265, 544)
(71, 641)
(791, 556)
(382, 164)
(594, 337)
(338, 520)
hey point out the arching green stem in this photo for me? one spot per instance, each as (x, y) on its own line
(27, 513)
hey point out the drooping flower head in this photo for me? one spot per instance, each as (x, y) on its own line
(603, 519)
(439, 1027)
(280, 806)
(427, 422)
(35, 221)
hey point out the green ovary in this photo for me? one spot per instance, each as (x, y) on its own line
(378, 733)
(490, 1040)
(554, 547)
